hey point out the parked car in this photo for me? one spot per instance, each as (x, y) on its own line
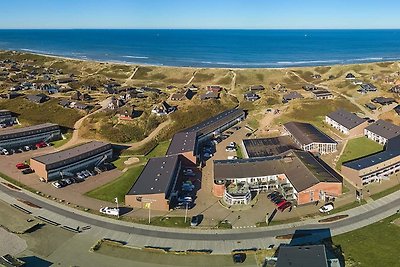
(41, 145)
(68, 181)
(21, 166)
(326, 208)
(239, 257)
(56, 184)
(195, 220)
(27, 148)
(4, 152)
(185, 199)
(27, 171)
(230, 149)
(280, 204)
(110, 211)
(285, 206)
(232, 157)
(232, 144)
(271, 195)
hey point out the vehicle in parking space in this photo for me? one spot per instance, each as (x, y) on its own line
(27, 148)
(232, 157)
(208, 155)
(230, 149)
(270, 195)
(195, 220)
(110, 211)
(326, 208)
(224, 136)
(41, 144)
(236, 128)
(4, 152)
(275, 197)
(184, 205)
(285, 206)
(18, 150)
(229, 132)
(21, 166)
(57, 184)
(248, 134)
(185, 199)
(68, 181)
(27, 171)
(187, 187)
(280, 204)
(239, 257)
(232, 144)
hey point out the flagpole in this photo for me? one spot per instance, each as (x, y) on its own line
(149, 211)
(116, 200)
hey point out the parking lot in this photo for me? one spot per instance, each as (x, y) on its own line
(72, 193)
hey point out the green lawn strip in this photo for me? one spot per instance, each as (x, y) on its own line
(239, 153)
(178, 222)
(374, 245)
(159, 150)
(15, 182)
(224, 225)
(385, 192)
(357, 148)
(59, 143)
(352, 205)
(117, 188)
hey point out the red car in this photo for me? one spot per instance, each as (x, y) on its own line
(280, 204)
(285, 206)
(41, 144)
(21, 166)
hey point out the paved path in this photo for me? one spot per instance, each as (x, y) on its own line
(220, 241)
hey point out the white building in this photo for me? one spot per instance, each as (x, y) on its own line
(381, 131)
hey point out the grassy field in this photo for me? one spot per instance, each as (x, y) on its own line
(385, 192)
(178, 222)
(352, 205)
(373, 245)
(357, 148)
(50, 111)
(117, 188)
(59, 143)
(159, 150)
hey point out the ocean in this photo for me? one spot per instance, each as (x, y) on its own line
(211, 48)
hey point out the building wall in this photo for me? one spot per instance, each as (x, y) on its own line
(359, 130)
(54, 174)
(377, 138)
(218, 189)
(318, 191)
(158, 201)
(352, 176)
(356, 131)
(30, 140)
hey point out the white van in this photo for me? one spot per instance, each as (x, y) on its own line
(110, 211)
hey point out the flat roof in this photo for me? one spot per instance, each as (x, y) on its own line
(307, 256)
(156, 177)
(346, 119)
(300, 167)
(26, 131)
(264, 147)
(384, 128)
(306, 133)
(209, 125)
(392, 150)
(71, 155)
(182, 142)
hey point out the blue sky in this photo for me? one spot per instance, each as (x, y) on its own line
(205, 14)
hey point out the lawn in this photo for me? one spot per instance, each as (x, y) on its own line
(373, 245)
(385, 192)
(178, 222)
(117, 188)
(352, 205)
(50, 111)
(357, 148)
(159, 150)
(59, 143)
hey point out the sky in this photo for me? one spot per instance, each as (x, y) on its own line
(199, 14)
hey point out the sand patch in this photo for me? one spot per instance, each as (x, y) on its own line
(131, 161)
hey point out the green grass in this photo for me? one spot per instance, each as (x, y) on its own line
(224, 225)
(239, 152)
(49, 111)
(386, 192)
(373, 245)
(117, 188)
(352, 205)
(357, 148)
(59, 143)
(159, 150)
(178, 222)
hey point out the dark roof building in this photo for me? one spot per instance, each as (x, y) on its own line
(346, 122)
(381, 131)
(322, 94)
(51, 166)
(397, 109)
(39, 98)
(350, 76)
(309, 138)
(209, 95)
(383, 100)
(292, 95)
(302, 256)
(183, 142)
(250, 96)
(265, 147)
(256, 88)
(370, 106)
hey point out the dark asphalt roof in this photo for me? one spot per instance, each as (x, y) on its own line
(392, 150)
(182, 142)
(72, 155)
(157, 176)
(264, 147)
(346, 119)
(300, 167)
(215, 122)
(384, 128)
(27, 131)
(306, 133)
(321, 92)
(302, 256)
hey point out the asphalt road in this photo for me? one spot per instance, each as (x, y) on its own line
(201, 235)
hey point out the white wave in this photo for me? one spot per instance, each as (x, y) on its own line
(308, 62)
(366, 59)
(136, 57)
(36, 51)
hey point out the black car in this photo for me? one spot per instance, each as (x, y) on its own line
(248, 134)
(273, 194)
(194, 221)
(27, 171)
(276, 197)
(239, 257)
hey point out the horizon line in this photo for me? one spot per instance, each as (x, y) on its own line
(244, 29)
